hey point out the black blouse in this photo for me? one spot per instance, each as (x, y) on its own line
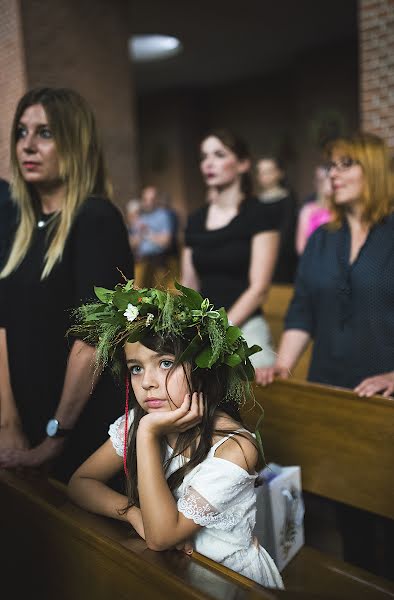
(348, 309)
(37, 314)
(221, 257)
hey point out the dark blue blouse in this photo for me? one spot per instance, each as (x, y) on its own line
(347, 309)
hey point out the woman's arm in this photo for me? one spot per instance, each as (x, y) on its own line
(264, 253)
(80, 378)
(189, 277)
(292, 345)
(88, 489)
(11, 433)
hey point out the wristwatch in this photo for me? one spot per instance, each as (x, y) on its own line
(53, 429)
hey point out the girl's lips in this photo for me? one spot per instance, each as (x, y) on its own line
(154, 402)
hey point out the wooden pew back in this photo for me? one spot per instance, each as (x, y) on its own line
(275, 309)
(52, 548)
(343, 443)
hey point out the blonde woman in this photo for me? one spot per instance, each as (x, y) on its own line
(70, 237)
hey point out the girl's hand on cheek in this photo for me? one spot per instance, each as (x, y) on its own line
(179, 420)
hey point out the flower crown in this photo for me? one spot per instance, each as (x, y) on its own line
(127, 314)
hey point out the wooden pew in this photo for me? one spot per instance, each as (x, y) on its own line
(344, 445)
(52, 548)
(275, 309)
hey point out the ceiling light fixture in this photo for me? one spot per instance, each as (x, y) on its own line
(146, 48)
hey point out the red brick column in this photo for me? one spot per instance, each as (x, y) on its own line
(80, 44)
(376, 30)
(12, 74)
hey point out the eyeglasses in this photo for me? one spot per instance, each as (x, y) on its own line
(340, 165)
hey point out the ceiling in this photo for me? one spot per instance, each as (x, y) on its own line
(230, 40)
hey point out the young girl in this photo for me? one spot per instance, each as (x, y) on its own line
(190, 464)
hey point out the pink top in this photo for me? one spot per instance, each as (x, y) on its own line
(317, 217)
(311, 216)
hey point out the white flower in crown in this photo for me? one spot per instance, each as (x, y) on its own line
(131, 312)
(149, 319)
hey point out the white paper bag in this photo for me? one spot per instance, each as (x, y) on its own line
(280, 513)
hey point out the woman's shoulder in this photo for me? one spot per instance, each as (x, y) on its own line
(98, 207)
(197, 216)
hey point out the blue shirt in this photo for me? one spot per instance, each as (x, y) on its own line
(347, 309)
(157, 221)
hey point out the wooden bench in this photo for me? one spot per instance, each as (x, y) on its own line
(275, 309)
(52, 548)
(344, 445)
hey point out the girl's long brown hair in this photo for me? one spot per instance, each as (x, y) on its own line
(197, 440)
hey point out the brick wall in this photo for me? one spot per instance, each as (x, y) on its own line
(376, 29)
(12, 74)
(83, 44)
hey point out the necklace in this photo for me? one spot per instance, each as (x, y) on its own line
(41, 223)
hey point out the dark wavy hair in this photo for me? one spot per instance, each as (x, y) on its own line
(240, 148)
(213, 384)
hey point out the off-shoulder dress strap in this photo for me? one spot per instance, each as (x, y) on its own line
(227, 437)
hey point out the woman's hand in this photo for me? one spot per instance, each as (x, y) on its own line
(12, 458)
(179, 420)
(379, 384)
(13, 437)
(266, 375)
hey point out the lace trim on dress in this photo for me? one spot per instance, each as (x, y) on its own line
(195, 507)
(116, 433)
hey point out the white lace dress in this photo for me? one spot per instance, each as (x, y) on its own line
(220, 496)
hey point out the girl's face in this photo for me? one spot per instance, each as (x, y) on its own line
(219, 166)
(347, 179)
(36, 149)
(154, 386)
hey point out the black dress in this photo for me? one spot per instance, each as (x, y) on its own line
(286, 263)
(221, 256)
(37, 314)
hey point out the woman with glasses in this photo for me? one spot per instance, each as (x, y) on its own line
(70, 237)
(344, 302)
(344, 291)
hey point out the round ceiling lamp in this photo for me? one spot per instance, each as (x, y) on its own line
(147, 48)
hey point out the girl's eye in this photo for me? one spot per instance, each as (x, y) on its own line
(20, 133)
(135, 370)
(167, 364)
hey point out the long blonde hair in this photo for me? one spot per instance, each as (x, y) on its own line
(371, 152)
(81, 164)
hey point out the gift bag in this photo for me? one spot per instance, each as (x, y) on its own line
(280, 512)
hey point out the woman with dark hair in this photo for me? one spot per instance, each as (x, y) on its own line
(231, 243)
(70, 237)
